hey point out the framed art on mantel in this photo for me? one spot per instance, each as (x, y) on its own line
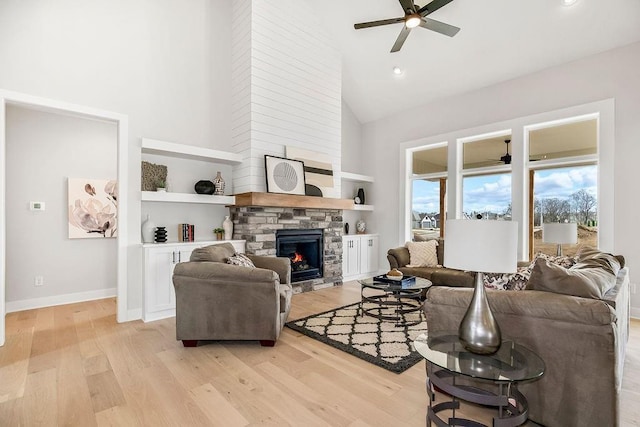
(284, 175)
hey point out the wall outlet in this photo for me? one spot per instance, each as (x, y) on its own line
(38, 281)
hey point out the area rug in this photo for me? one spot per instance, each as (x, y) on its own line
(377, 341)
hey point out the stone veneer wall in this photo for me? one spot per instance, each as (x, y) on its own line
(258, 225)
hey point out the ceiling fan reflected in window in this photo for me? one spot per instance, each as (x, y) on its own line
(414, 17)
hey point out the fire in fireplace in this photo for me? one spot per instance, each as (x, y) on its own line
(304, 248)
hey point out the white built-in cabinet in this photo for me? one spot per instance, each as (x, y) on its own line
(359, 256)
(159, 299)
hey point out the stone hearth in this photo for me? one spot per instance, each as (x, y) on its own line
(258, 225)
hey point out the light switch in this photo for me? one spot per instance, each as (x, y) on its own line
(36, 206)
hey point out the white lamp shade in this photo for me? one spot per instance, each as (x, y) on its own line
(560, 232)
(486, 246)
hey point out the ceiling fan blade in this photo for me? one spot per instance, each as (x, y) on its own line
(439, 27)
(433, 6)
(378, 23)
(400, 40)
(408, 6)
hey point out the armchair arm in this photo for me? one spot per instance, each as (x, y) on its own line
(281, 265)
(398, 257)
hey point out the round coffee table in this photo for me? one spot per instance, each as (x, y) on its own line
(395, 301)
(490, 380)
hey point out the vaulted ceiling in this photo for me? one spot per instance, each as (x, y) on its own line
(499, 40)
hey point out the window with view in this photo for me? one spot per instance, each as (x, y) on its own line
(428, 189)
(564, 183)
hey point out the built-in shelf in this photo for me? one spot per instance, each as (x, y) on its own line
(363, 207)
(189, 244)
(161, 196)
(171, 149)
(348, 176)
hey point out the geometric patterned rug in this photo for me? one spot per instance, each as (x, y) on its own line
(377, 341)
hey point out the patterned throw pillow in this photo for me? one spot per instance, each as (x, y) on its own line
(508, 281)
(242, 260)
(423, 254)
(562, 261)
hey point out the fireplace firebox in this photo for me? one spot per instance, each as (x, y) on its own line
(304, 247)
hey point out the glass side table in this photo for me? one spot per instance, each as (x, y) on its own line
(490, 380)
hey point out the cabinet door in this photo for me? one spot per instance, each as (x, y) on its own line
(369, 254)
(350, 256)
(159, 295)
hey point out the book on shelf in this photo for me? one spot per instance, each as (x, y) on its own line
(186, 232)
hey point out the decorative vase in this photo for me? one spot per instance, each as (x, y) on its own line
(227, 224)
(161, 235)
(479, 332)
(346, 228)
(361, 226)
(361, 195)
(218, 184)
(148, 229)
(204, 187)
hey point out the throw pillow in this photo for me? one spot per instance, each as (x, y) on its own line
(595, 257)
(213, 253)
(563, 261)
(508, 281)
(242, 260)
(581, 280)
(423, 254)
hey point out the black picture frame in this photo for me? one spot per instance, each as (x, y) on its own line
(284, 176)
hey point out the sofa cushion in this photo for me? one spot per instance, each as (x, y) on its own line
(584, 279)
(562, 260)
(595, 257)
(509, 281)
(213, 253)
(423, 254)
(240, 259)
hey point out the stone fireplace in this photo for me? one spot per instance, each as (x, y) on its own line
(258, 226)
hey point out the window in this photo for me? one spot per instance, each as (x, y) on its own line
(487, 196)
(564, 183)
(428, 189)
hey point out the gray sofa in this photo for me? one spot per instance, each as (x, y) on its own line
(440, 276)
(219, 301)
(581, 340)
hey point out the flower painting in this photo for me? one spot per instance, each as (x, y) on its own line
(93, 208)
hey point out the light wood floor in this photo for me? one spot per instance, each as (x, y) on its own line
(74, 365)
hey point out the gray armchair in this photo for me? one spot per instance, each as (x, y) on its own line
(220, 301)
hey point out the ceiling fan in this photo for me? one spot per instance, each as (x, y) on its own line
(506, 159)
(413, 17)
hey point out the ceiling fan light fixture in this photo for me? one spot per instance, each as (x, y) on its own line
(412, 21)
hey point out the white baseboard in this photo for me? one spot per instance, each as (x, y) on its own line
(29, 304)
(134, 314)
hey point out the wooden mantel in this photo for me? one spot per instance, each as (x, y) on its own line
(291, 201)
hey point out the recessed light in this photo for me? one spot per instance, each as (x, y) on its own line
(568, 2)
(397, 71)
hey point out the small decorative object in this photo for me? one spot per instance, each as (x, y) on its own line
(227, 225)
(346, 228)
(151, 174)
(161, 234)
(161, 185)
(312, 190)
(218, 184)
(284, 175)
(361, 226)
(148, 229)
(219, 232)
(205, 187)
(360, 196)
(483, 246)
(318, 170)
(357, 201)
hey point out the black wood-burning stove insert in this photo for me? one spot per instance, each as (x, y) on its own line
(305, 248)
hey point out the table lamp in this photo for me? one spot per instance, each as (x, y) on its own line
(482, 246)
(560, 232)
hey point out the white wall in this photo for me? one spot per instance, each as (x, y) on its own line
(612, 74)
(42, 151)
(351, 142)
(286, 87)
(164, 63)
